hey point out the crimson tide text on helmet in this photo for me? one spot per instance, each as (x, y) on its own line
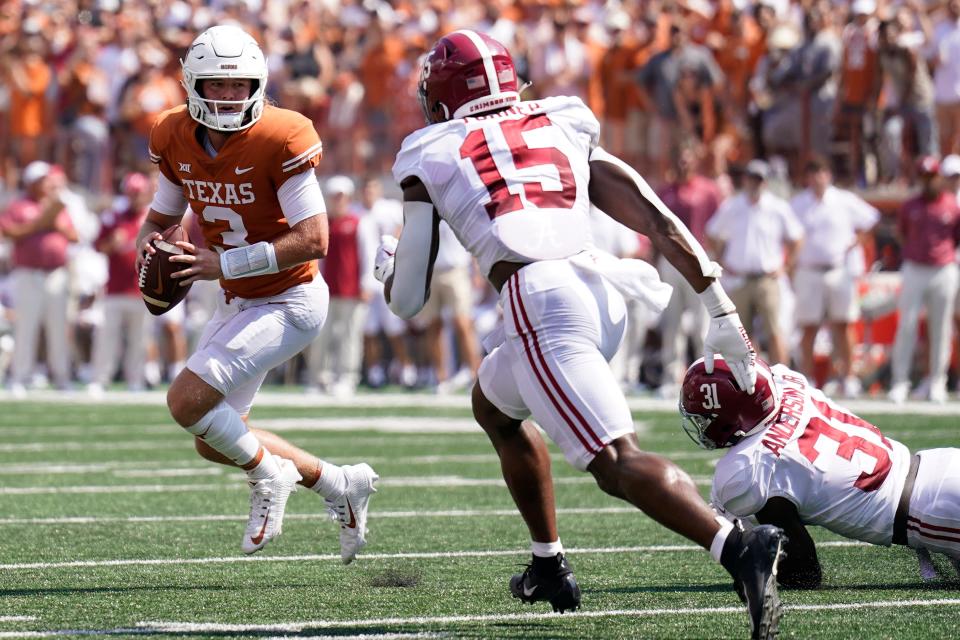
(224, 51)
(717, 413)
(466, 73)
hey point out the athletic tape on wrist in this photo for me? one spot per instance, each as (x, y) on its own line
(245, 262)
(716, 300)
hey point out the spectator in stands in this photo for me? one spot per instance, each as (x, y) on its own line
(659, 77)
(858, 73)
(383, 216)
(819, 59)
(84, 92)
(151, 92)
(619, 91)
(30, 78)
(40, 229)
(835, 223)
(334, 358)
(908, 95)
(124, 315)
(694, 198)
(928, 228)
(451, 297)
(777, 112)
(945, 60)
(756, 236)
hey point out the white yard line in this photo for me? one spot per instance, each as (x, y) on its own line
(193, 627)
(415, 481)
(459, 401)
(18, 618)
(144, 468)
(451, 513)
(425, 555)
(163, 627)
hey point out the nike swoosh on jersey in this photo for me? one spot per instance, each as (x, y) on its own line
(529, 592)
(240, 171)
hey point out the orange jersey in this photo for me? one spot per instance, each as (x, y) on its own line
(858, 72)
(234, 195)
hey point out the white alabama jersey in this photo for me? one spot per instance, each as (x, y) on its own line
(838, 469)
(512, 185)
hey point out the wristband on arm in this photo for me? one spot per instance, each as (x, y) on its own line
(716, 300)
(246, 262)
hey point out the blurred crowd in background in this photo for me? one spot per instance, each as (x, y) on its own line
(727, 107)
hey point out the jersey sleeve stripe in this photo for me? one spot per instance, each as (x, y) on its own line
(154, 158)
(293, 163)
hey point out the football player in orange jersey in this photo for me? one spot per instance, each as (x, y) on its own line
(246, 169)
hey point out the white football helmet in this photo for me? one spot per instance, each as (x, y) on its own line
(224, 52)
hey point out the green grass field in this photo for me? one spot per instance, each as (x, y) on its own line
(111, 525)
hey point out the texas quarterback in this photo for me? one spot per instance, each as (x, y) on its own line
(246, 169)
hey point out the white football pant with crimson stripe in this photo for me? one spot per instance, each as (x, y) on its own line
(563, 325)
(933, 521)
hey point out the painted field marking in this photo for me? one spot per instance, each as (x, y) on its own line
(291, 398)
(416, 481)
(161, 628)
(450, 513)
(193, 627)
(422, 555)
(57, 467)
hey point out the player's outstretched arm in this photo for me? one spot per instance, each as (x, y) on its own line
(619, 191)
(800, 569)
(407, 268)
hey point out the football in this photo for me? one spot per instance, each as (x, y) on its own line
(159, 291)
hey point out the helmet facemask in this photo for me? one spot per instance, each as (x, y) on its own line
(223, 53)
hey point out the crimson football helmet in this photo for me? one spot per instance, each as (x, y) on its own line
(466, 73)
(717, 413)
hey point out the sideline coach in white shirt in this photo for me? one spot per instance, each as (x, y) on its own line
(835, 224)
(756, 235)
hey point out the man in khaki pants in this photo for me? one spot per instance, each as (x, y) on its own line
(756, 236)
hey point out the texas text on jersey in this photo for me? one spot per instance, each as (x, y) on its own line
(838, 469)
(234, 193)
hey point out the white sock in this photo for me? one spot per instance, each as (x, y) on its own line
(332, 482)
(268, 467)
(226, 433)
(547, 549)
(716, 547)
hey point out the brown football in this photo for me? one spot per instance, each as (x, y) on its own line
(160, 292)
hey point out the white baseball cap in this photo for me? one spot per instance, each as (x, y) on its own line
(340, 184)
(863, 7)
(35, 171)
(950, 166)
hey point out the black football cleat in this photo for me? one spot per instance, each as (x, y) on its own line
(548, 579)
(755, 575)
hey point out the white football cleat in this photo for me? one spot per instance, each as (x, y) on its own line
(268, 500)
(350, 509)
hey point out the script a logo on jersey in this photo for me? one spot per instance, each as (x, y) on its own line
(220, 193)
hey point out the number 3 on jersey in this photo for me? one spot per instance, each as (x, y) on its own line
(235, 235)
(505, 186)
(836, 427)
